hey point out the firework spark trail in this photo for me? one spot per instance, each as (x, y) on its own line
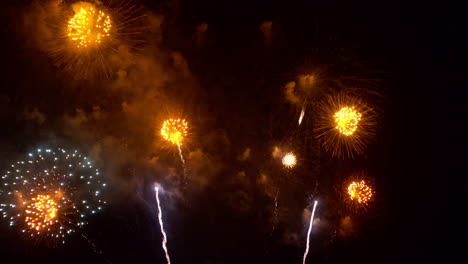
(308, 233)
(275, 214)
(95, 249)
(302, 115)
(182, 159)
(276, 204)
(164, 242)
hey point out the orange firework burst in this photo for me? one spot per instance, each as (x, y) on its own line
(41, 212)
(289, 160)
(89, 26)
(360, 192)
(174, 130)
(87, 35)
(345, 125)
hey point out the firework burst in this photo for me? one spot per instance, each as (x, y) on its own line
(89, 26)
(86, 36)
(50, 194)
(289, 160)
(345, 125)
(174, 130)
(359, 191)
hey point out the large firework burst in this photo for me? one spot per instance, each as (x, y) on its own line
(50, 194)
(88, 36)
(345, 125)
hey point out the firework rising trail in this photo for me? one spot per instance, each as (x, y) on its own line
(302, 114)
(182, 159)
(308, 233)
(164, 242)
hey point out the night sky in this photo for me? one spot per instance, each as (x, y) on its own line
(224, 66)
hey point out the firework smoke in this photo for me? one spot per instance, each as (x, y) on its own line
(164, 242)
(308, 233)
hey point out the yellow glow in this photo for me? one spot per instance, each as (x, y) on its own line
(174, 130)
(360, 191)
(289, 160)
(347, 120)
(89, 26)
(41, 212)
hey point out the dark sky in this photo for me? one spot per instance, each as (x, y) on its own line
(229, 83)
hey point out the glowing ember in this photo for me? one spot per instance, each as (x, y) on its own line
(89, 26)
(347, 120)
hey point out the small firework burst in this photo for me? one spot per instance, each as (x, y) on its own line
(345, 125)
(50, 194)
(358, 190)
(289, 160)
(174, 130)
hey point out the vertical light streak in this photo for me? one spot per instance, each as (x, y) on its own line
(308, 233)
(301, 116)
(164, 242)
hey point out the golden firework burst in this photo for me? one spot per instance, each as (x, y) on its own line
(174, 130)
(41, 212)
(84, 37)
(289, 160)
(347, 120)
(345, 125)
(89, 26)
(360, 192)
